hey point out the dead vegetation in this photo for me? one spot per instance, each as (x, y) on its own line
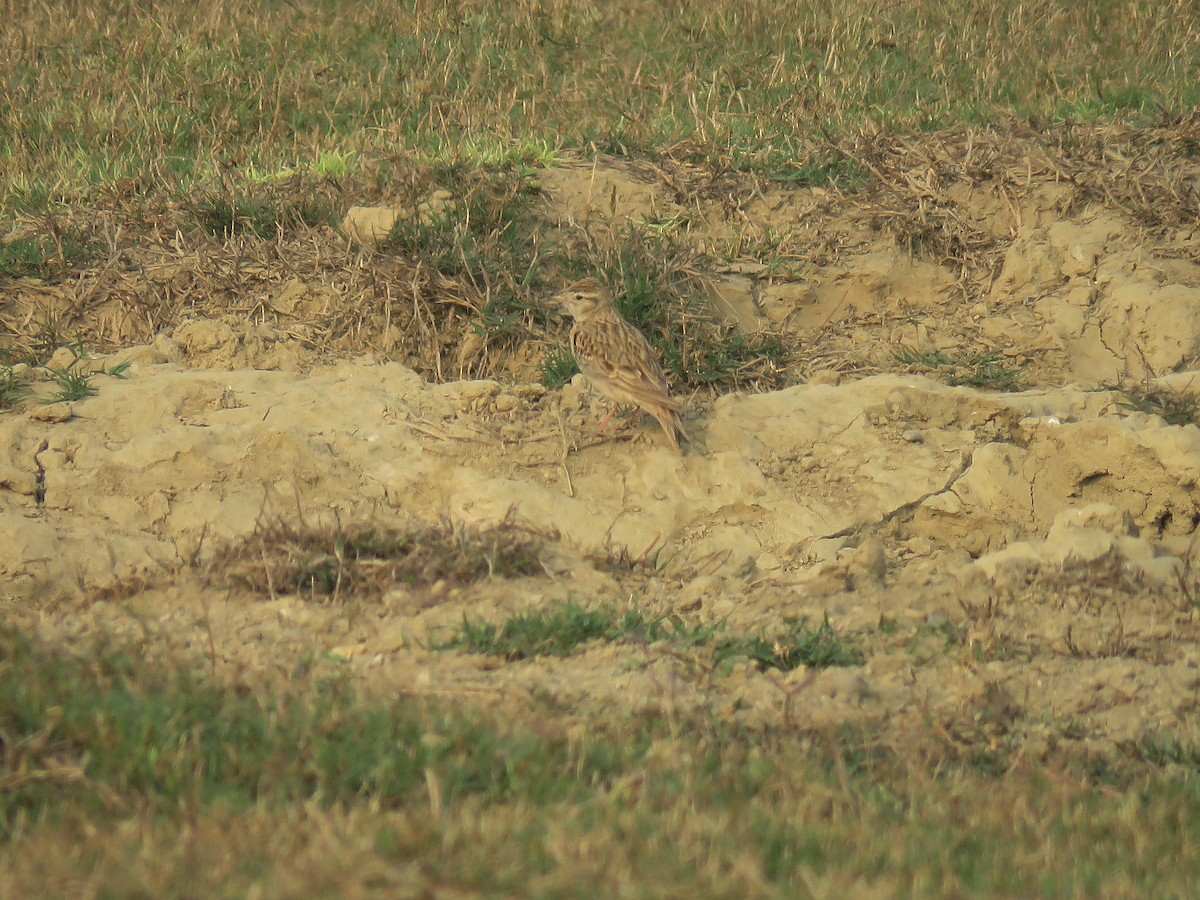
(461, 295)
(338, 561)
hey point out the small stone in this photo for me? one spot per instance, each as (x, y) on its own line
(1105, 516)
(368, 225)
(18, 481)
(478, 390)
(920, 546)
(913, 435)
(1078, 544)
(52, 412)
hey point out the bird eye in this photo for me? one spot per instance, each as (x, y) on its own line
(579, 296)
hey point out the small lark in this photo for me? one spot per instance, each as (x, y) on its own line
(616, 359)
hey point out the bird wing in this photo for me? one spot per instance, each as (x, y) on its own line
(617, 358)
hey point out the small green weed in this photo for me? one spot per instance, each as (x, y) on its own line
(77, 384)
(817, 648)
(73, 384)
(1173, 407)
(1161, 749)
(838, 169)
(987, 371)
(43, 256)
(554, 632)
(729, 357)
(265, 209)
(117, 371)
(12, 391)
(23, 256)
(560, 628)
(558, 368)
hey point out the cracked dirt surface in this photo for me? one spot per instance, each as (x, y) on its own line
(1038, 546)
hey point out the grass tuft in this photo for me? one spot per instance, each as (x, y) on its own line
(1172, 406)
(1163, 749)
(12, 391)
(986, 371)
(560, 628)
(73, 384)
(483, 234)
(343, 561)
(44, 256)
(266, 209)
(558, 368)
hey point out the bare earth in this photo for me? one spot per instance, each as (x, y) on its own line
(1021, 561)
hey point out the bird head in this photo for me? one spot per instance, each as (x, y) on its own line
(584, 298)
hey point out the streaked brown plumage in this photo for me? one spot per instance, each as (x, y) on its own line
(616, 359)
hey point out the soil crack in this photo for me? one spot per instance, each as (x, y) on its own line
(39, 494)
(964, 466)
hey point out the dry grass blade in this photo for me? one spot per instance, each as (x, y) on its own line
(338, 561)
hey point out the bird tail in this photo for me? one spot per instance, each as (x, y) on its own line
(672, 426)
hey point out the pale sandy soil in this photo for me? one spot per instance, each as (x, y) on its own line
(1024, 562)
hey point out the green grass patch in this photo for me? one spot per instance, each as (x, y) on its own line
(108, 729)
(72, 384)
(186, 96)
(561, 628)
(727, 358)
(12, 391)
(1172, 406)
(266, 210)
(486, 234)
(558, 368)
(44, 256)
(256, 784)
(987, 371)
(1162, 749)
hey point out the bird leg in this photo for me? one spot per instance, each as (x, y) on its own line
(607, 419)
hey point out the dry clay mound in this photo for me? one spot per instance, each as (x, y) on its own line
(1010, 564)
(1044, 532)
